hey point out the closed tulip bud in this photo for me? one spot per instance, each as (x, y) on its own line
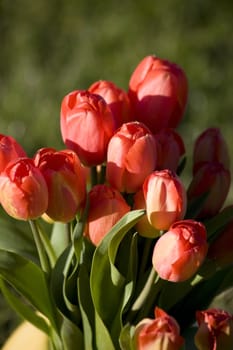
(116, 98)
(87, 124)
(165, 198)
(221, 249)
(131, 156)
(161, 333)
(215, 330)
(180, 251)
(170, 148)
(158, 92)
(214, 180)
(210, 146)
(10, 150)
(65, 179)
(106, 207)
(23, 190)
(143, 227)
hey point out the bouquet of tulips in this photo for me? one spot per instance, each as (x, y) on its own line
(121, 254)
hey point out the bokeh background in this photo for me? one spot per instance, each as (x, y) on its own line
(49, 48)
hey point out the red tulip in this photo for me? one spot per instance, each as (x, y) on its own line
(170, 148)
(158, 92)
(87, 124)
(210, 146)
(23, 190)
(65, 179)
(179, 252)
(106, 207)
(116, 98)
(165, 198)
(162, 333)
(10, 150)
(214, 180)
(215, 330)
(131, 157)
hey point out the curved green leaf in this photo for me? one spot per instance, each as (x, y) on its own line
(107, 283)
(30, 281)
(24, 310)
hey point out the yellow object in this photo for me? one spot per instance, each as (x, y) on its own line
(27, 337)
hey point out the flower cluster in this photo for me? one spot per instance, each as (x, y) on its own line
(127, 256)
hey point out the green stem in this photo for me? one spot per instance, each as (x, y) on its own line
(94, 176)
(47, 245)
(40, 247)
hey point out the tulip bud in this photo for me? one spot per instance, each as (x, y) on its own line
(131, 157)
(87, 124)
(10, 150)
(23, 190)
(161, 333)
(158, 92)
(215, 330)
(210, 146)
(106, 207)
(179, 252)
(65, 179)
(165, 198)
(116, 98)
(143, 227)
(214, 180)
(170, 148)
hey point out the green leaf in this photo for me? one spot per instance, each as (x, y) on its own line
(60, 237)
(30, 281)
(86, 307)
(103, 338)
(71, 335)
(126, 337)
(218, 222)
(107, 283)
(16, 237)
(24, 310)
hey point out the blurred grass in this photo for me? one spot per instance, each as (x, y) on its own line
(49, 48)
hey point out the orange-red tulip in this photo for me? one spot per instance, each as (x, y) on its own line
(165, 198)
(162, 333)
(23, 190)
(87, 124)
(10, 150)
(170, 148)
(215, 330)
(106, 207)
(158, 92)
(179, 252)
(116, 98)
(131, 156)
(65, 179)
(214, 180)
(210, 146)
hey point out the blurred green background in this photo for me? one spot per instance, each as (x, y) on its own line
(49, 48)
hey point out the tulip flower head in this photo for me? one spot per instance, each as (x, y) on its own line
(210, 146)
(165, 198)
(180, 251)
(106, 207)
(116, 98)
(170, 148)
(215, 330)
(213, 180)
(158, 91)
(161, 333)
(131, 157)
(10, 150)
(65, 179)
(87, 124)
(23, 190)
